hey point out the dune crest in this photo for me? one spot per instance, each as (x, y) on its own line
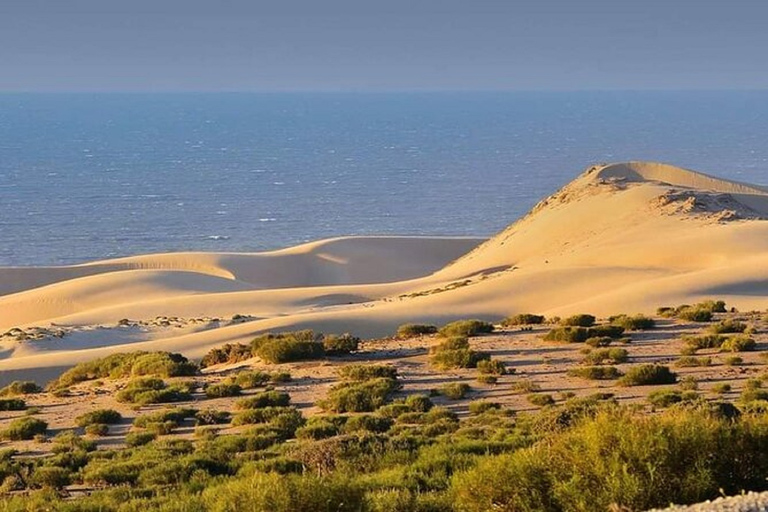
(620, 238)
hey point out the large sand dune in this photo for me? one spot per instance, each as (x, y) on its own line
(620, 238)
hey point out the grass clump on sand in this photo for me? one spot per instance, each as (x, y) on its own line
(12, 404)
(668, 397)
(365, 388)
(522, 319)
(579, 334)
(130, 364)
(466, 328)
(406, 331)
(20, 387)
(728, 326)
(340, 344)
(595, 372)
(607, 356)
(229, 353)
(493, 367)
(454, 352)
(692, 362)
(633, 323)
(265, 399)
(540, 399)
(150, 390)
(648, 375)
(223, 389)
(288, 347)
(362, 372)
(454, 390)
(581, 320)
(701, 312)
(99, 416)
(22, 429)
(738, 343)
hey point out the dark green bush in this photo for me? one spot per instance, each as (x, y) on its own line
(286, 350)
(668, 397)
(727, 326)
(51, 476)
(462, 358)
(19, 387)
(229, 353)
(582, 320)
(106, 416)
(222, 389)
(360, 372)
(595, 372)
(690, 361)
(633, 323)
(610, 331)
(703, 341)
(738, 343)
(365, 396)
(22, 429)
(466, 328)
(148, 390)
(265, 399)
(568, 334)
(250, 379)
(12, 404)
(339, 345)
(367, 423)
(695, 315)
(523, 319)
(175, 415)
(418, 403)
(648, 375)
(454, 390)
(607, 355)
(211, 417)
(133, 439)
(452, 343)
(492, 367)
(97, 429)
(412, 330)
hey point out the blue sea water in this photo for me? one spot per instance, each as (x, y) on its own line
(86, 176)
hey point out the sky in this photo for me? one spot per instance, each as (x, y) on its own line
(381, 45)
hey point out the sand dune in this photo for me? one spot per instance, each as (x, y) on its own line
(619, 238)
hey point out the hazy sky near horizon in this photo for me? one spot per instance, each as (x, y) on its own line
(362, 45)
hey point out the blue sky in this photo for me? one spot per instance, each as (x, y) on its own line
(363, 45)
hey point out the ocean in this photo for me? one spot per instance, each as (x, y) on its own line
(93, 176)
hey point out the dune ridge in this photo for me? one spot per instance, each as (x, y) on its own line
(620, 238)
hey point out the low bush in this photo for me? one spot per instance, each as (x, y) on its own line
(738, 343)
(288, 347)
(487, 379)
(610, 331)
(418, 403)
(279, 377)
(12, 404)
(52, 477)
(367, 423)
(492, 367)
(361, 372)
(648, 375)
(161, 364)
(211, 417)
(727, 326)
(134, 439)
(633, 323)
(595, 372)
(733, 361)
(148, 390)
(483, 406)
(721, 388)
(222, 389)
(97, 429)
(690, 361)
(540, 399)
(466, 328)
(22, 429)
(250, 379)
(668, 397)
(175, 415)
(461, 358)
(365, 396)
(20, 387)
(607, 356)
(454, 390)
(568, 334)
(599, 341)
(339, 345)
(105, 416)
(704, 341)
(412, 330)
(265, 399)
(695, 315)
(522, 319)
(229, 353)
(582, 320)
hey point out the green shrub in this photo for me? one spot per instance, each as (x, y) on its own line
(633, 323)
(665, 397)
(688, 382)
(265, 399)
(418, 403)
(367, 423)
(97, 429)
(451, 343)
(727, 326)
(714, 306)
(162, 364)
(279, 377)
(412, 330)
(610, 331)
(365, 396)
(462, 358)
(466, 328)
(229, 353)
(647, 375)
(492, 367)
(721, 388)
(19, 387)
(753, 395)
(523, 319)
(599, 341)
(540, 399)
(339, 345)
(106, 416)
(568, 334)
(148, 390)
(286, 350)
(316, 430)
(361, 372)
(582, 320)
(454, 390)
(733, 361)
(738, 343)
(222, 389)
(595, 372)
(703, 341)
(50, 476)
(12, 404)
(525, 386)
(482, 406)
(175, 415)
(695, 315)
(134, 439)
(25, 428)
(211, 417)
(607, 356)
(250, 379)
(487, 379)
(690, 361)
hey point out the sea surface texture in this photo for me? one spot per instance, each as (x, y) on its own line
(86, 176)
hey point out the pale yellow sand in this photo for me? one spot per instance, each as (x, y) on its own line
(620, 238)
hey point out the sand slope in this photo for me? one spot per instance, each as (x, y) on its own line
(620, 238)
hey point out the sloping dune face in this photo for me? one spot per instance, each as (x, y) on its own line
(620, 238)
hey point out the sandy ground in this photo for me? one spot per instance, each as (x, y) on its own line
(622, 238)
(545, 364)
